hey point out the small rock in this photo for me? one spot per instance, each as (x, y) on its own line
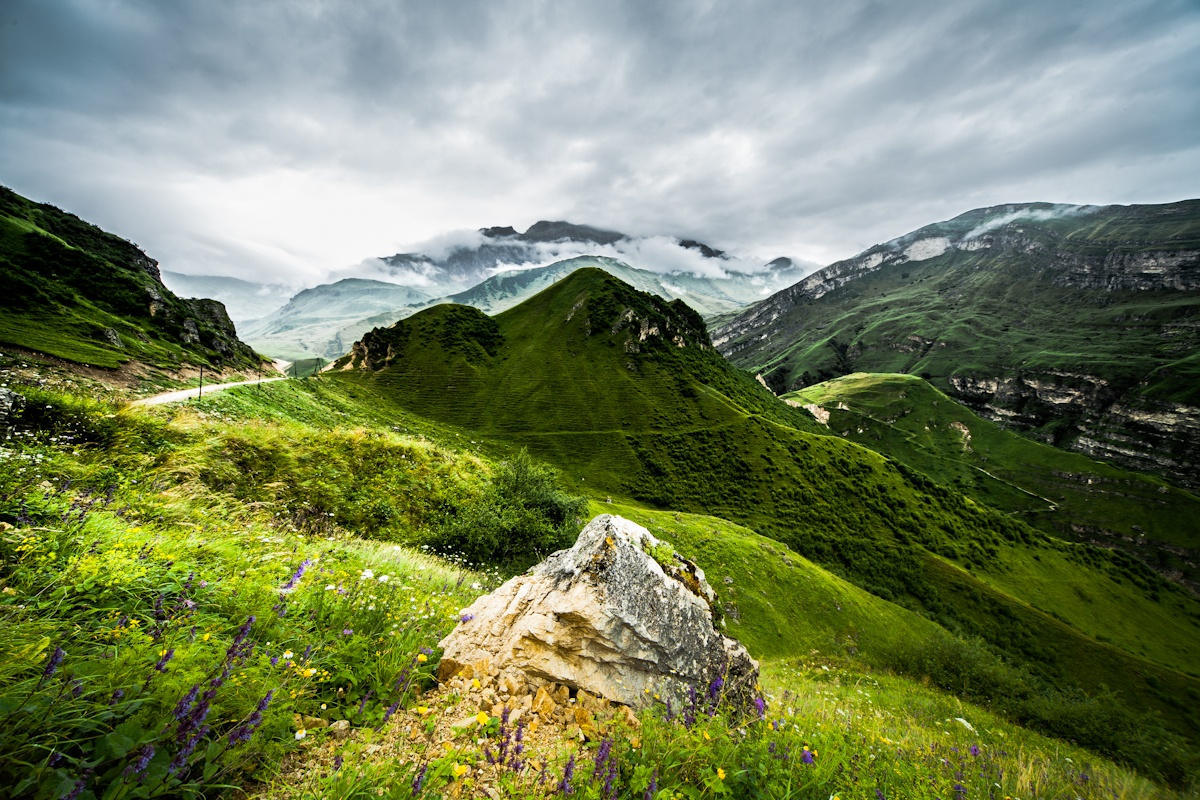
(543, 704)
(625, 715)
(340, 729)
(583, 717)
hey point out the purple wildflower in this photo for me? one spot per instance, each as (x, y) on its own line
(388, 714)
(274, 660)
(974, 750)
(807, 756)
(610, 781)
(652, 789)
(138, 767)
(337, 762)
(363, 703)
(418, 780)
(77, 789)
(307, 652)
(161, 666)
(466, 618)
(564, 786)
(761, 706)
(76, 687)
(602, 754)
(714, 688)
(297, 575)
(181, 758)
(56, 658)
(879, 794)
(347, 631)
(116, 696)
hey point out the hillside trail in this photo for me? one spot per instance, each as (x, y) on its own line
(188, 394)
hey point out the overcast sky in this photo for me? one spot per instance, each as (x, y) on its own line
(284, 140)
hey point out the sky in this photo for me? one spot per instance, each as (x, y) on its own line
(281, 141)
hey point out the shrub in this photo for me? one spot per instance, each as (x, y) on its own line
(520, 517)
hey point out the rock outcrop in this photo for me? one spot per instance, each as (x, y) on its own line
(618, 615)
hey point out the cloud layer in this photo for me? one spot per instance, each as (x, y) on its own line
(280, 141)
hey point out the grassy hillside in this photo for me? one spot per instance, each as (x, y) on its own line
(576, 375)
(1075, 497)
(73, 291)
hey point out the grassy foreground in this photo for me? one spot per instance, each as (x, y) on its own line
(188, 604)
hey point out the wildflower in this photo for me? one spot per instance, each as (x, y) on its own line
(366, 575)
(564, 786)
(707, 737)
(418, 780)
(116, 696)
(181, 758)
(164, 657)
(297, 575)
(300, 734)
(720, 774)
(52, 665)
(184, 706)
(714, 688)
(602, 754)
(308, 673)
(761, 706)
(482, 718)
(287, 654)
(383, 578)
(347, 631)
(807, 756)
(422, 658)
(652, 789)
(138, 767)
(475, 683)
(466, 618)
(460, 770)
(329, 587)
(337, 763)
(422, 710)
(974, 750)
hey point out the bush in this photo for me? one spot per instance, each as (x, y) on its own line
(520, 517)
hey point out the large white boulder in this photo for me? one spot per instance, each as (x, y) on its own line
(607, 618)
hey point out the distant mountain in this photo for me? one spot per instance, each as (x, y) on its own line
(244, 300)
(313, 322)
(72, 290)
(329, 331)
(623, 391)
(1079, 324)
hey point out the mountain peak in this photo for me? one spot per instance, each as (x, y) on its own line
(558, 230)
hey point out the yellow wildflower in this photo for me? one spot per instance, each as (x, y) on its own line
(707, 738)
(422, 710)
(482, 718)
(460, 770)
(721, 776)
(422, 658)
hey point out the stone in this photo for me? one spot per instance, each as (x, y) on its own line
(543, 704)
(626, 716)
(340, 729)
(617, 614)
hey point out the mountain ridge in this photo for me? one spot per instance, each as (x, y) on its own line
(1078, 324)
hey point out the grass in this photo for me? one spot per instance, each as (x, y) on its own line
(1067, 494)
(71, 290)
(244, 487)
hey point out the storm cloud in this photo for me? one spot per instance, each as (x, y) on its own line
(281, 141)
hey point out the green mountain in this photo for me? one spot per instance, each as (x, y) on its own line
(1078, 324)
(1064, 493)
(625, 394)
(73, 291)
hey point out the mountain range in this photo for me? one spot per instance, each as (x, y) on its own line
(492, 268)
(1079, 325)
